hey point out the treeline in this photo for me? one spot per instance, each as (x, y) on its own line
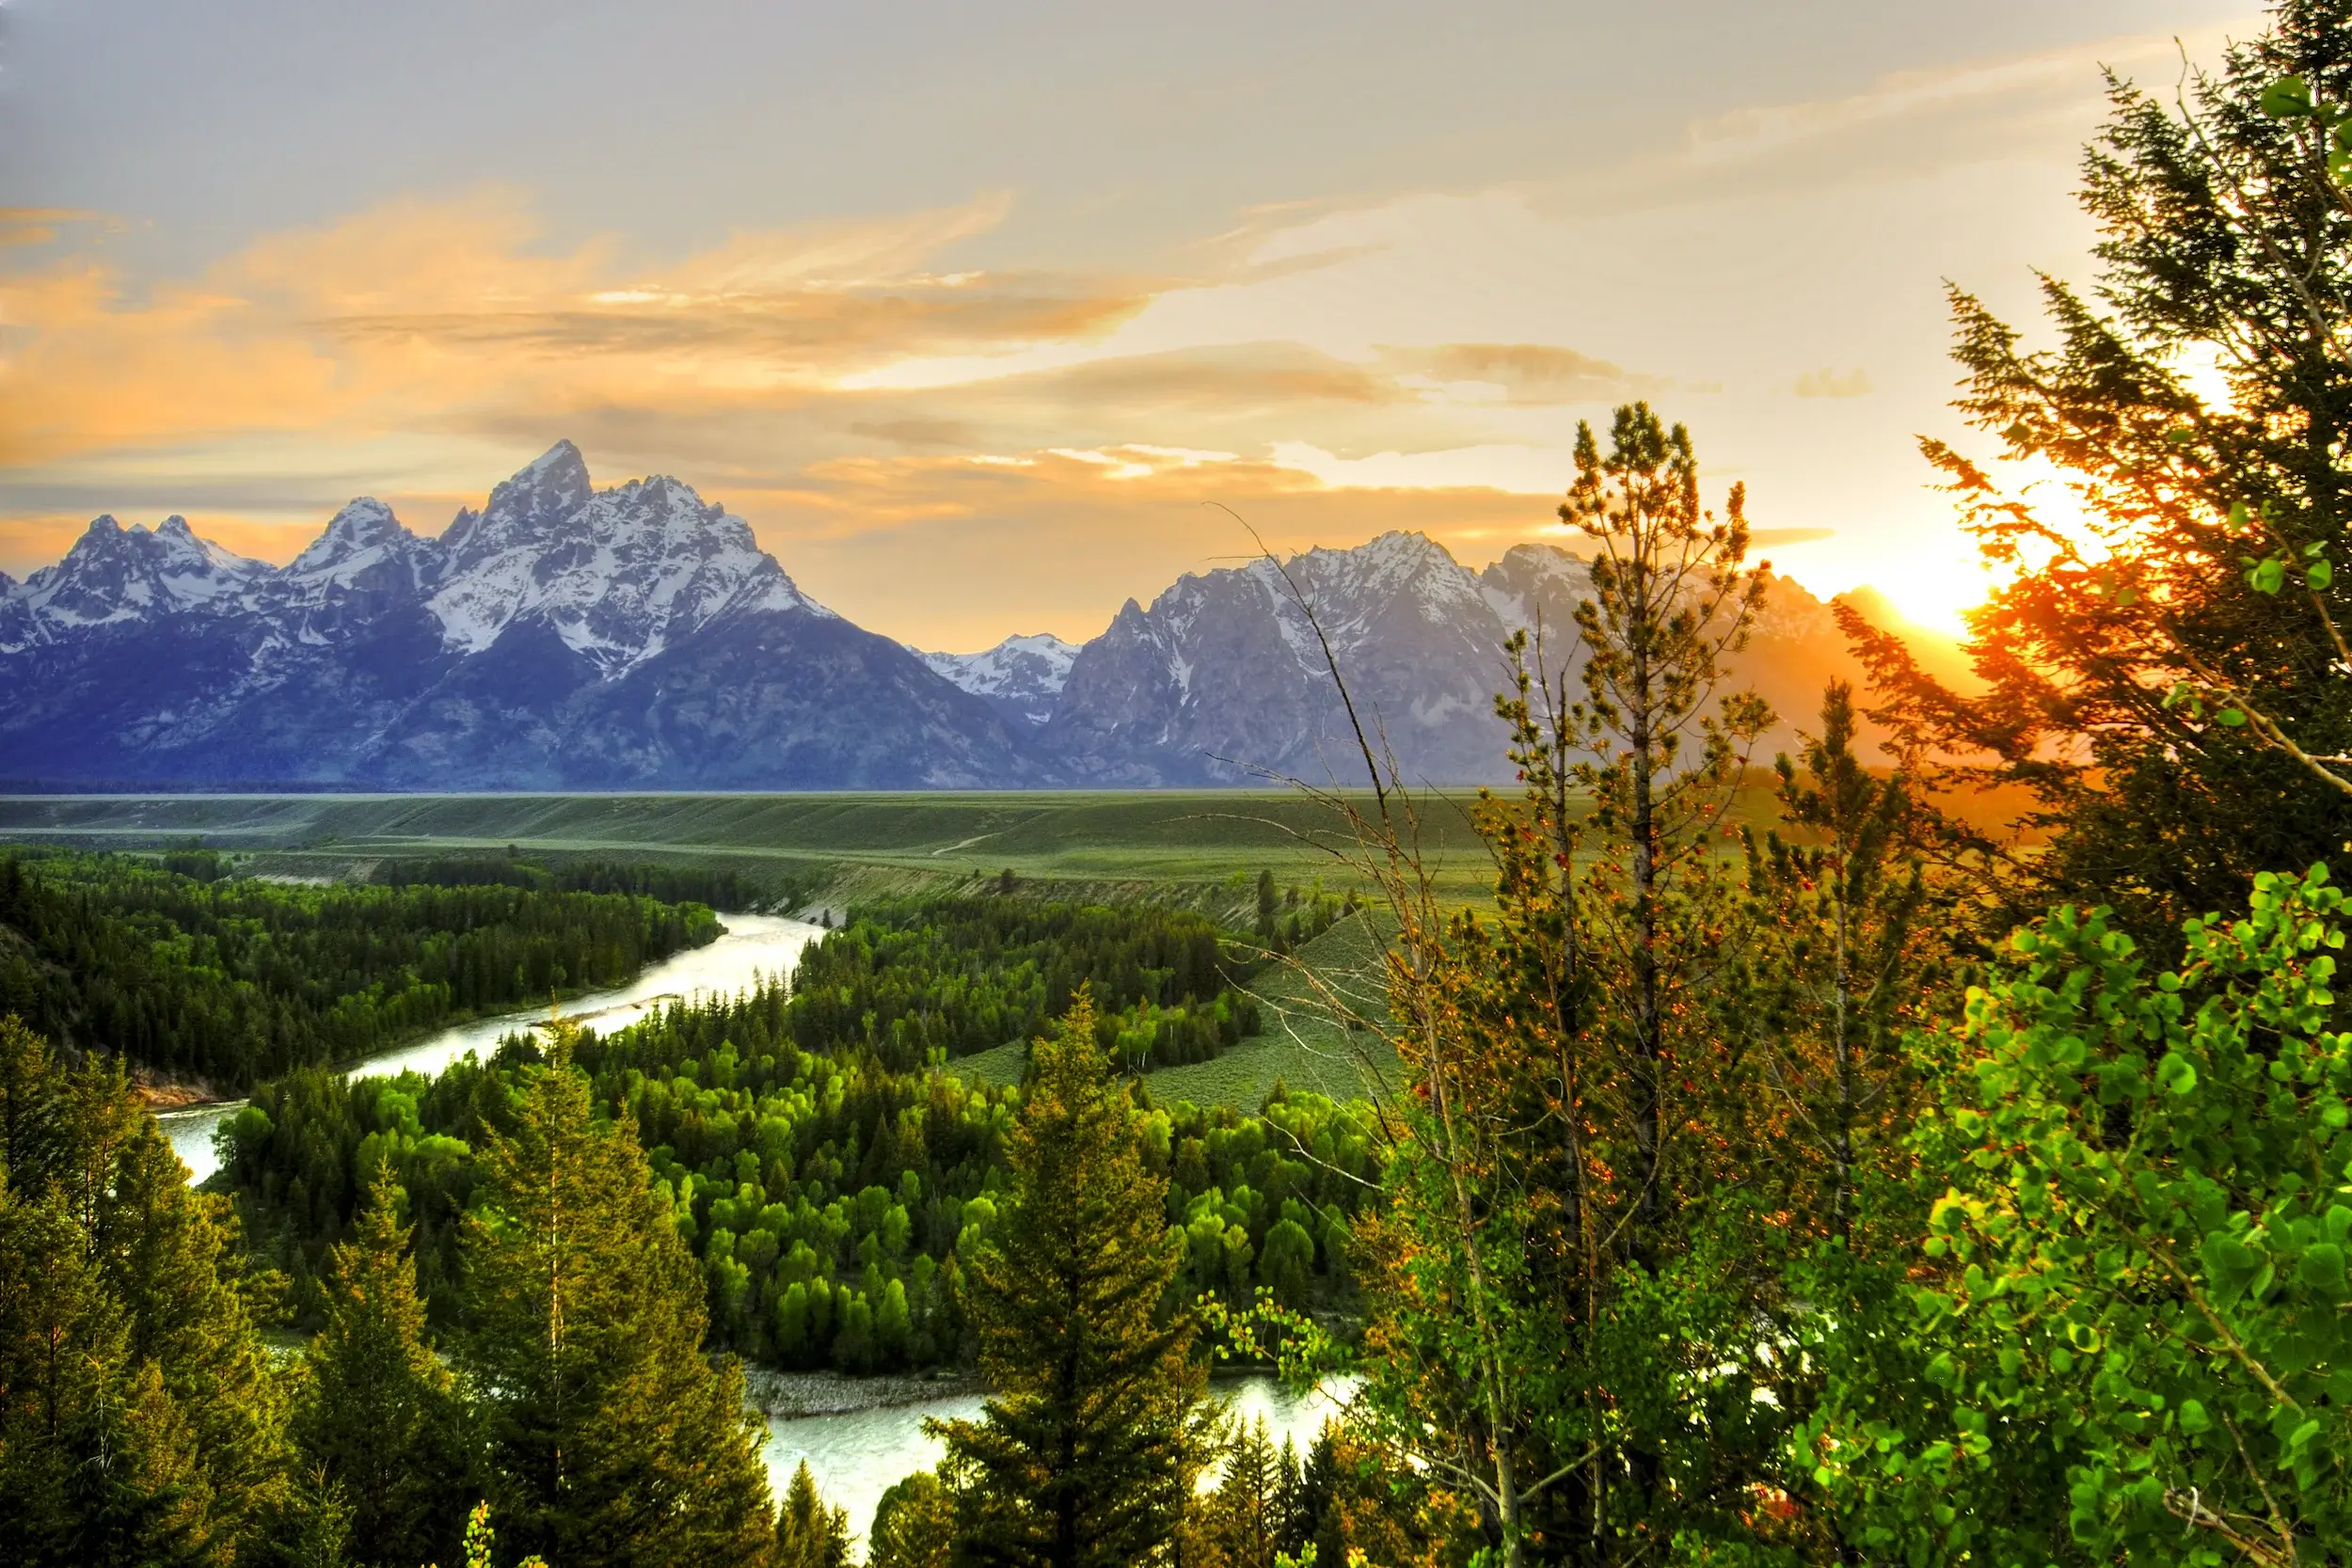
(717, 888)
(833, 1204)
(189, 972)
(923, 981)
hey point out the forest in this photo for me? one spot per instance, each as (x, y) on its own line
(833, 1204)
(914, 982)
(229, 981)
(1865, 1187)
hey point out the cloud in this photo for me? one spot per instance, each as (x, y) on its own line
(1829, 383)
(1525, 372)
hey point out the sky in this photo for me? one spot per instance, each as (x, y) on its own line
(988, 317)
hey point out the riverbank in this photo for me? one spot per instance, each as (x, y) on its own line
(791, 1396)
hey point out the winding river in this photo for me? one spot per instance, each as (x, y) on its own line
(750, 948)
(858, 1447)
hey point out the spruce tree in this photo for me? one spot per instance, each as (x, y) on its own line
(380, 1416)
(140, 1419)
(809, 1534)
(915, 1525)
(1086, 1455)
(1245, 1513)
(611, 1439)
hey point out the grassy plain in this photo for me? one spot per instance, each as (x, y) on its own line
(852, 846)
(1301, 1045)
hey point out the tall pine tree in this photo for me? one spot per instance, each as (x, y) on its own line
(808, 1533)
(1085, 1456)
(614, 1441)
(140, 1421)
(380, 1416)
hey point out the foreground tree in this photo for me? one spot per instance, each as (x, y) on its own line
(915, 1525)
(808, 1533)
(2162, 663)
(612, 1440)
(140, 1417)
(1086, 1455)
(380, 1416)
(1562, 1315)
(2128, 1340)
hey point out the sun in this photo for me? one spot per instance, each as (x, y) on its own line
(1934, 590)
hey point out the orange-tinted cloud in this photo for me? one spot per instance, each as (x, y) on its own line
(418, 350)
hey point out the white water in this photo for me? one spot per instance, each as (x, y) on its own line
(857, 1455)
(750, 948)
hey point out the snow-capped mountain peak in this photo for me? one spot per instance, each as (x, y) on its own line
(618, 575)
(114, 575)
(1022, 675)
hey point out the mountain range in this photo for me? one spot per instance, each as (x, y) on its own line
(636, 638)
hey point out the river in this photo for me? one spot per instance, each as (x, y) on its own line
(752, 947)
(856, 1455)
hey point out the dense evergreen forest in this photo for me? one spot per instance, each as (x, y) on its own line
(190, 973)
(835, 1204)
(1867, 1188)
(927, 980)
(669, 884)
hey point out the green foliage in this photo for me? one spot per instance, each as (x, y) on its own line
(2135, 1339)
(611, 1438)
(808, 1533)
(717, 887)
(377, 1416)
(140, 1421)
(236, 980)
(1086, 1454)
(924, 981)
(833, 1205)
(915, 1525)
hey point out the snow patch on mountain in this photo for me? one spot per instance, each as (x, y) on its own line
(1022, 675)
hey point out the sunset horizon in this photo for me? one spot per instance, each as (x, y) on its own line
(963, 401)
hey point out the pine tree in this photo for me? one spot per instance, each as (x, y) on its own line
(611, 1439)
(2201, 541)
(1085, 1456)
(809, 1534)
(140, 1421)
(1246, 1511)
(915, 1525)
(380, 1417)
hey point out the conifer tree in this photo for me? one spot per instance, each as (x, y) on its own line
(140, 1421)
(1245, 1522)
(1084, 1458)
(611, 1439)
(808, 1533)
(915, 1525)
(380, 1417)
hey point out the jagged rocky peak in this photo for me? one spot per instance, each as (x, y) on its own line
(618, 574)
(118, 574)
(541, 501)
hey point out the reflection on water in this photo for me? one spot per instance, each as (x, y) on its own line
(752, 947)
(857, 1455)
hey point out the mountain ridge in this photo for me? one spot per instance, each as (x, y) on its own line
(637, 637)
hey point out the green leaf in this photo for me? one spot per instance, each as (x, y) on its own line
(2193, 1418)
(2269, 576)
(2231, 717)
(2239, 514)
(2288, 98)
(2321, 1267)
(2318, 573)
(2176, 1072)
